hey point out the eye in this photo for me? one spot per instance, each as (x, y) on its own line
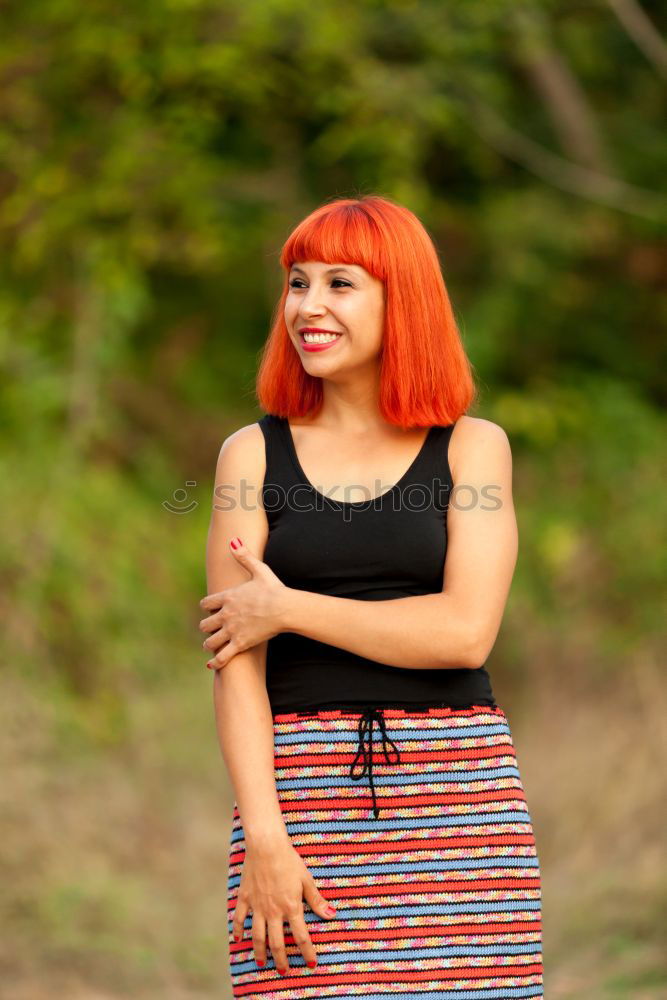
(298, 283)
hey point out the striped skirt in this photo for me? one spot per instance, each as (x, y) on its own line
(418, 832)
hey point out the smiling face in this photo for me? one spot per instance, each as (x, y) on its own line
(341, 299)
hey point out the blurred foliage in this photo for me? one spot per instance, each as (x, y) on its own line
(153, 157)
(153, 160)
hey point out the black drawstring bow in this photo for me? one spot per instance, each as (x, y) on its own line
(366, 720)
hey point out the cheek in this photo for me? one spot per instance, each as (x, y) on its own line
(365, 317)
(377, 313)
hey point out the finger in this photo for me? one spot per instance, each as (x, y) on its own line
(244, 556)
(259, 938)
(216, 640)
(218, 661)
(302, 938)
(211, 623)
(222, 658)
(277, 945)
(316, 900)
(238, 920)
(212, 601)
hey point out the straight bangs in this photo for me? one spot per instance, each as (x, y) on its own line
(343, 231)
(426, 378)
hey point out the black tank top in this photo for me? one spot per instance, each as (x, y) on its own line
(387, 547)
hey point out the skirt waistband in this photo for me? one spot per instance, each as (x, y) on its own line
(370, 714)
(352, 708)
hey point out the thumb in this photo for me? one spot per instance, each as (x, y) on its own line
(243, 554)
(316, 900)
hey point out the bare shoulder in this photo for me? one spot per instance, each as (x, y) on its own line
(237, 507)
(478, 447)
(242, 454)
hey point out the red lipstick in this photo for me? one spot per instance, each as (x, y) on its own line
(317, 347)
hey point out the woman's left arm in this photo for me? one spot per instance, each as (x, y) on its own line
(456, 627)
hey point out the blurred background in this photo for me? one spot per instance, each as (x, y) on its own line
(153, 158)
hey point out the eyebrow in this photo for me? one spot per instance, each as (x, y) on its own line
(331, 270)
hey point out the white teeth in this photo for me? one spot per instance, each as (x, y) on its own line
(320, 338)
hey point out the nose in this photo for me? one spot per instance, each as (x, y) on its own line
(311, 303)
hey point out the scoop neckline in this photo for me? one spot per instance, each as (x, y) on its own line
(354, 503)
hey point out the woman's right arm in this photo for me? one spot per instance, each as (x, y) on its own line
(242, 710)
(275, 878)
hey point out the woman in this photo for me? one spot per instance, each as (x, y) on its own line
(379, 811)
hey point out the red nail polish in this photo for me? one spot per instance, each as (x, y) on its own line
(236, 543)
(260, 963)
(282, 972)
(311, 965)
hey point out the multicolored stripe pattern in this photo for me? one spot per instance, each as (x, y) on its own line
(439, 896)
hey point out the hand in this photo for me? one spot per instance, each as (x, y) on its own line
(273, 883)
(249, 612)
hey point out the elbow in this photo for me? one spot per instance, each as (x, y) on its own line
(468, 654)
(476, 650)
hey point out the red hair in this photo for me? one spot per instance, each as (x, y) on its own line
(425, 375)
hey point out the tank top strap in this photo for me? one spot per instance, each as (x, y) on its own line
(434, 468)
(279, 467)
